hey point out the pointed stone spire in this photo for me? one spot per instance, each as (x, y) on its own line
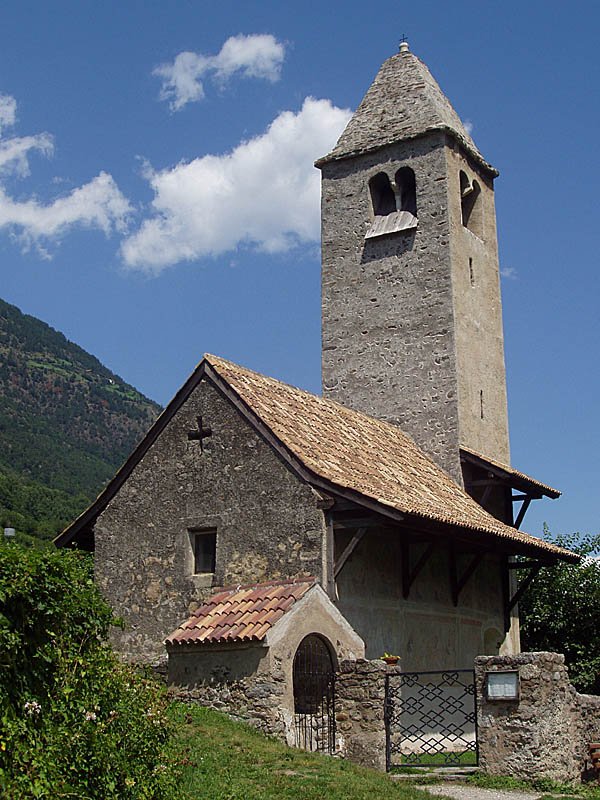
(404, 101)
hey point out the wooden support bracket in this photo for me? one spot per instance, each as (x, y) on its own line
(523, 511)
(529, 564)
(409, 575)
(348, 550)
(457, 584)
(523, 586)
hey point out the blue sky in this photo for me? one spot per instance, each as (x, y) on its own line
(154, 205)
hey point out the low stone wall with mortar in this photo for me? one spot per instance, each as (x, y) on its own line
(547, 731)
(256, 700)
(359, 704)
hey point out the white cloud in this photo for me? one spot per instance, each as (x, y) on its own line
(510, 273)
(8, 111)
(265, 194)
(13, 152)
(96, 204)
(468, 126)
(181, 82)
(253, 56)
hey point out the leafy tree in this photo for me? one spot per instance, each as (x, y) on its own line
(74, 722)
(560, 611)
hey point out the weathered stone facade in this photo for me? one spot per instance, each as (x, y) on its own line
(269, 524)
(257, 699)
(547, 731)
(412, 324)
(388, 332)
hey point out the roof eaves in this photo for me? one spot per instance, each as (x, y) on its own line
(361, 151)
(514, 476)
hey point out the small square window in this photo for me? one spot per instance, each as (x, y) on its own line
(204, 547)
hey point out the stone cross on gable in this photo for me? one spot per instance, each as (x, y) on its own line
(200, 434)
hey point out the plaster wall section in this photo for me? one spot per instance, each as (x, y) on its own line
(482, 402)
(426, 630)
(387, 306)
(268, 524)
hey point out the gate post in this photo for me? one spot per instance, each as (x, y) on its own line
(360, 711)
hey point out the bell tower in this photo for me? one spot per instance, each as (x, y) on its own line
(411, 309)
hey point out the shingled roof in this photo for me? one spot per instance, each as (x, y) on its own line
(512, 476)
(241, 613)
(373, 458)
(404, 101)
(336, 448)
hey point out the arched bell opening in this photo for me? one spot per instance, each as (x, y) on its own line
(382, 195)
(406, 189)
(394, 203)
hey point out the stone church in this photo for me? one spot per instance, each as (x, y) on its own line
(382, 516)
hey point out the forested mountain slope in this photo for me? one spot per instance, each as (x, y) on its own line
(66, 424)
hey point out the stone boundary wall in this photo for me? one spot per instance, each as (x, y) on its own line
(360, 704)
(256, 700)
(547, 731)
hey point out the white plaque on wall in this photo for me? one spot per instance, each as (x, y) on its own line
(502, 685)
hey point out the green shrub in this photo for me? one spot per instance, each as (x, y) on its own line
(74, 722)
(559, 611)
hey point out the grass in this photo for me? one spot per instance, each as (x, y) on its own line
(546, 787)
(226, 760)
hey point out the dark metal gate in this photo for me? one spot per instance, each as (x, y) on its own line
(314, 696)
(431, 719)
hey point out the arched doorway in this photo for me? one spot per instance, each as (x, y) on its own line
(313, 675)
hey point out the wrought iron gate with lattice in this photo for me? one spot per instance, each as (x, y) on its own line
(431, 719)
(314, 696)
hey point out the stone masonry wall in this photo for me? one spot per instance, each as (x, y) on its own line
(482, 403)
(412, 321)
(360, 705)
(387, 306)
(546, 733)
(269, 524)
(256, 700)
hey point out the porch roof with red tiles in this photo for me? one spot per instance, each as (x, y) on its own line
(240, 613)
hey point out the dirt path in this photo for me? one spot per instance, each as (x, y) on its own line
(464, 792)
